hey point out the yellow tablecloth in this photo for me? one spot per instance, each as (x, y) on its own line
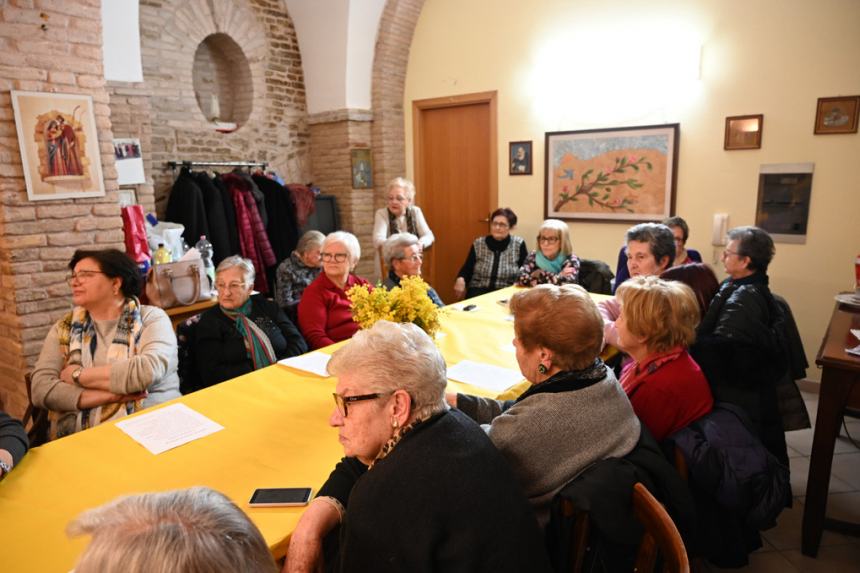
(276, 435)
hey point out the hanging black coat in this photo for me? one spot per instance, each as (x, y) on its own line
(219, 235)
(282, 229)
(185, 206)
(230, 213)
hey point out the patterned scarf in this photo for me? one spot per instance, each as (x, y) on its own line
(393, 441)
(634, 374)
(550, 265)
(411, 227)
(257, 344)
(78, 342)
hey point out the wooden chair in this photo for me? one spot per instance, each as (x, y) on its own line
(39, 431)
(661, 535)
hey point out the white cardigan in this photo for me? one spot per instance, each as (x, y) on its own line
(380, 227)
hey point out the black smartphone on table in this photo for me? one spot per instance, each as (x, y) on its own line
(280, 497)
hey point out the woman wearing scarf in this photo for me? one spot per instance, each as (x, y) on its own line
(243, 333)
(109, 356)
(575, 412)
(657, 323)
(553, 262)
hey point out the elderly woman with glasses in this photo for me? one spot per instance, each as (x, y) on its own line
(493, 261)
(737, 344)
(421, 487)
(401, 215)
(574, 414)
(402, 253)
(325, 316)
(553, 262)
(110, 355)
(243, 333)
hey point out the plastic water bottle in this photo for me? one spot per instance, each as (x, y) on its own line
(162, 255)
(205, 248)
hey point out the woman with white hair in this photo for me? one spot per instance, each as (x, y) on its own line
(299, 270)
(325, 316)
(553, 262)
(401, 215)
(243, 333)
(421, 487)
(184, 531)
(402, 254)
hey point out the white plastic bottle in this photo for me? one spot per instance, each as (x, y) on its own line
(206, 252)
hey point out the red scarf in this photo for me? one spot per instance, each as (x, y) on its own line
(636, 373)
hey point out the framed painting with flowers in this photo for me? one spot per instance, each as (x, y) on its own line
(616, 174)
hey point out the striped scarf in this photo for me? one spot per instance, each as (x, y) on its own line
(78, 342)
(257, 344)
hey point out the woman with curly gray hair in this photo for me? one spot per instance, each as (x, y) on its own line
(420, 484)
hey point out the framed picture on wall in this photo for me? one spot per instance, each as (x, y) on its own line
(837, 115)
(520, 158)
(59, 145)
(617, 174)
(362, 168)
(743, 132)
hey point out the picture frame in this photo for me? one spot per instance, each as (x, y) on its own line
(59, 145)
(835, 115)
(743, 132)
(520, 158)
(362, 168)
(614, 174)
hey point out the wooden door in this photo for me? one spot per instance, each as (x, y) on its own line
(456, 178)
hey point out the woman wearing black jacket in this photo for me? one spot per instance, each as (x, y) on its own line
(243, 333)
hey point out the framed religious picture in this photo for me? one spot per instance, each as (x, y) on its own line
(362, 168)
(837, 115)
(59, 145)
(520, 158)
(615, 174)
(743, 132)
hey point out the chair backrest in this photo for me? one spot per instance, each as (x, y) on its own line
(189, 379)
(39, 430)
(660, 534)
(595, 276)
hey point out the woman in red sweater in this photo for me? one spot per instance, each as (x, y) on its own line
(324, 313)
(657, 324)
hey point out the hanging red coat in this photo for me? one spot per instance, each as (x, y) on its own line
(253, 241)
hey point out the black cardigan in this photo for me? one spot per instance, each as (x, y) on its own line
(220, 350)
(444, 499)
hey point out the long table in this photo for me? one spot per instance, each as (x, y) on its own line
(276, 435)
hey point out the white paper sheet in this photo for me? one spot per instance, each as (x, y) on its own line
(484, 375)
(121, 41)
(168, 427)
(313, 362)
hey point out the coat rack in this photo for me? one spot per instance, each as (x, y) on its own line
(189, 164)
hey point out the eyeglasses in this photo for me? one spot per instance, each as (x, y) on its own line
(82, 276)
(342, 402)
(500, 224)
(547, 239)
(727, 252)
(397, 199)
(414, 258)
(336, 257)
(234, 286)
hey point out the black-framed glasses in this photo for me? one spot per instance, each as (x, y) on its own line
(343, 402)
(542, 239)
(414, 258)
(82, 275)
(500, 224)
(336, 257)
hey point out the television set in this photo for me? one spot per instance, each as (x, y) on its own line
(324, 218)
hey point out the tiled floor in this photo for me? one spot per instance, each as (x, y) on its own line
(838, 553)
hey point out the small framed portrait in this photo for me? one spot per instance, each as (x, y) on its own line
(362, 168)
(520, 157)
(743, 132)
(837, 115)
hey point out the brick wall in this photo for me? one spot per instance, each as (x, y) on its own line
(46, 46)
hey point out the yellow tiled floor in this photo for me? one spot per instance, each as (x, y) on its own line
(838, 553)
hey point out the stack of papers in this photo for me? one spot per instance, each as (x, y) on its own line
(168, 427)
(483, 375)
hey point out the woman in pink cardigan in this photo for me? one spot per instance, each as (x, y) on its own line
(324, 313)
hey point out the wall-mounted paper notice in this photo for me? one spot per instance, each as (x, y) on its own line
(483, 375)
(121, 41)
(168, 427)
(129, 163)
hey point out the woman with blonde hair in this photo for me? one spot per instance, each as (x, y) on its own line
(657, 324)
(553, 261)
(401, 215)
(574, 414)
